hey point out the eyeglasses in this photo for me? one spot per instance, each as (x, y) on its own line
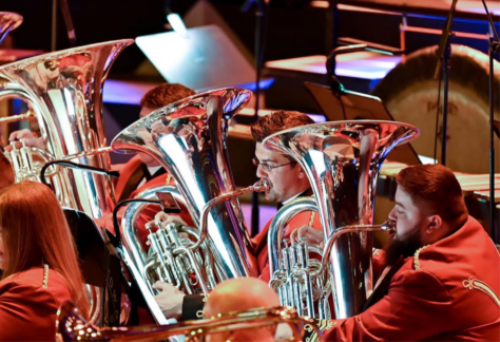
(268, 167)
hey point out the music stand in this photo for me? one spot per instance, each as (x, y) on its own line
(98, 261)
(355, 106)
(203, 58)
(92, 251)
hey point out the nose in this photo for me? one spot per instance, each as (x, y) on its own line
(392, 214)
(260, 172)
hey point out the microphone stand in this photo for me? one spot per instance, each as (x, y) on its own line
(444, 54)
(68, 21)
(260, 38)
(74, 166)
(53, 29)
(336, 86)
(493, 48)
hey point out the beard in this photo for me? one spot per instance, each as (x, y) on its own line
(404, 246)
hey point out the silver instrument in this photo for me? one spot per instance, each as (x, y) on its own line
(342, 161)
(64, 89)
(189, 139)
(9, 21)
(192, 263)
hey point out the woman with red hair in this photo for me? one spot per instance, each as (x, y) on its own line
(39, 263)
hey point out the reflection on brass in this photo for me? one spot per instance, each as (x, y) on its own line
(188, 138)
(342, 161)
(64, 90)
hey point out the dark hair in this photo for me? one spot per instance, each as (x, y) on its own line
(278, 121)
(165, 94)
(436, 186)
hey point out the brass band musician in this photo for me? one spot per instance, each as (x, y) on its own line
(142, 171)
(39, 262)
(288, 182)
(443, 276)
(442, 280)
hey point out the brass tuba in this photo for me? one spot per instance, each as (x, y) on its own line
(70, 326)
(64, 89)
(9, 21)
(342, 161)
(189, 139)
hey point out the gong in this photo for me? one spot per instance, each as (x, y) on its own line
(410, 94)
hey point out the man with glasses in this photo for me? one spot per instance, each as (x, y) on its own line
(288, 182)
(287, 178)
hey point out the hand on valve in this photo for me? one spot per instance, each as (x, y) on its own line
(309, 235)
(30, 139)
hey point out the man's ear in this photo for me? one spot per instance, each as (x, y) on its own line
(434, 222)
(302, 173)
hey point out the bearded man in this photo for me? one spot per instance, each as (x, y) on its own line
(443, 276)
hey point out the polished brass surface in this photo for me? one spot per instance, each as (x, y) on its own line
(71, 327)
(342, 160)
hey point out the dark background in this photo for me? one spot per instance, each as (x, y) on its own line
(295, 28)
(104, 20)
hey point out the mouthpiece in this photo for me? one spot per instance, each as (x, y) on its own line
(261, 186)
(389, 226)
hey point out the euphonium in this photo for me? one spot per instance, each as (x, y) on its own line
(70, 326)
(64, 89)
(189, 139)
(191, 263)
(342, 161)
(8, 21)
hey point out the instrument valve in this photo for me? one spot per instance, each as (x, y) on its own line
(150, 225)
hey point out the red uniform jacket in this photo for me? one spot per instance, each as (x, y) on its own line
(27, 309)
(147, 214)
(449, 291)
(131, 174)
(260, 240)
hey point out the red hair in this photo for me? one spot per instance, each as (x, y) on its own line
(277, 122)
(35, 232)
(437, 187)
(165, 94)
